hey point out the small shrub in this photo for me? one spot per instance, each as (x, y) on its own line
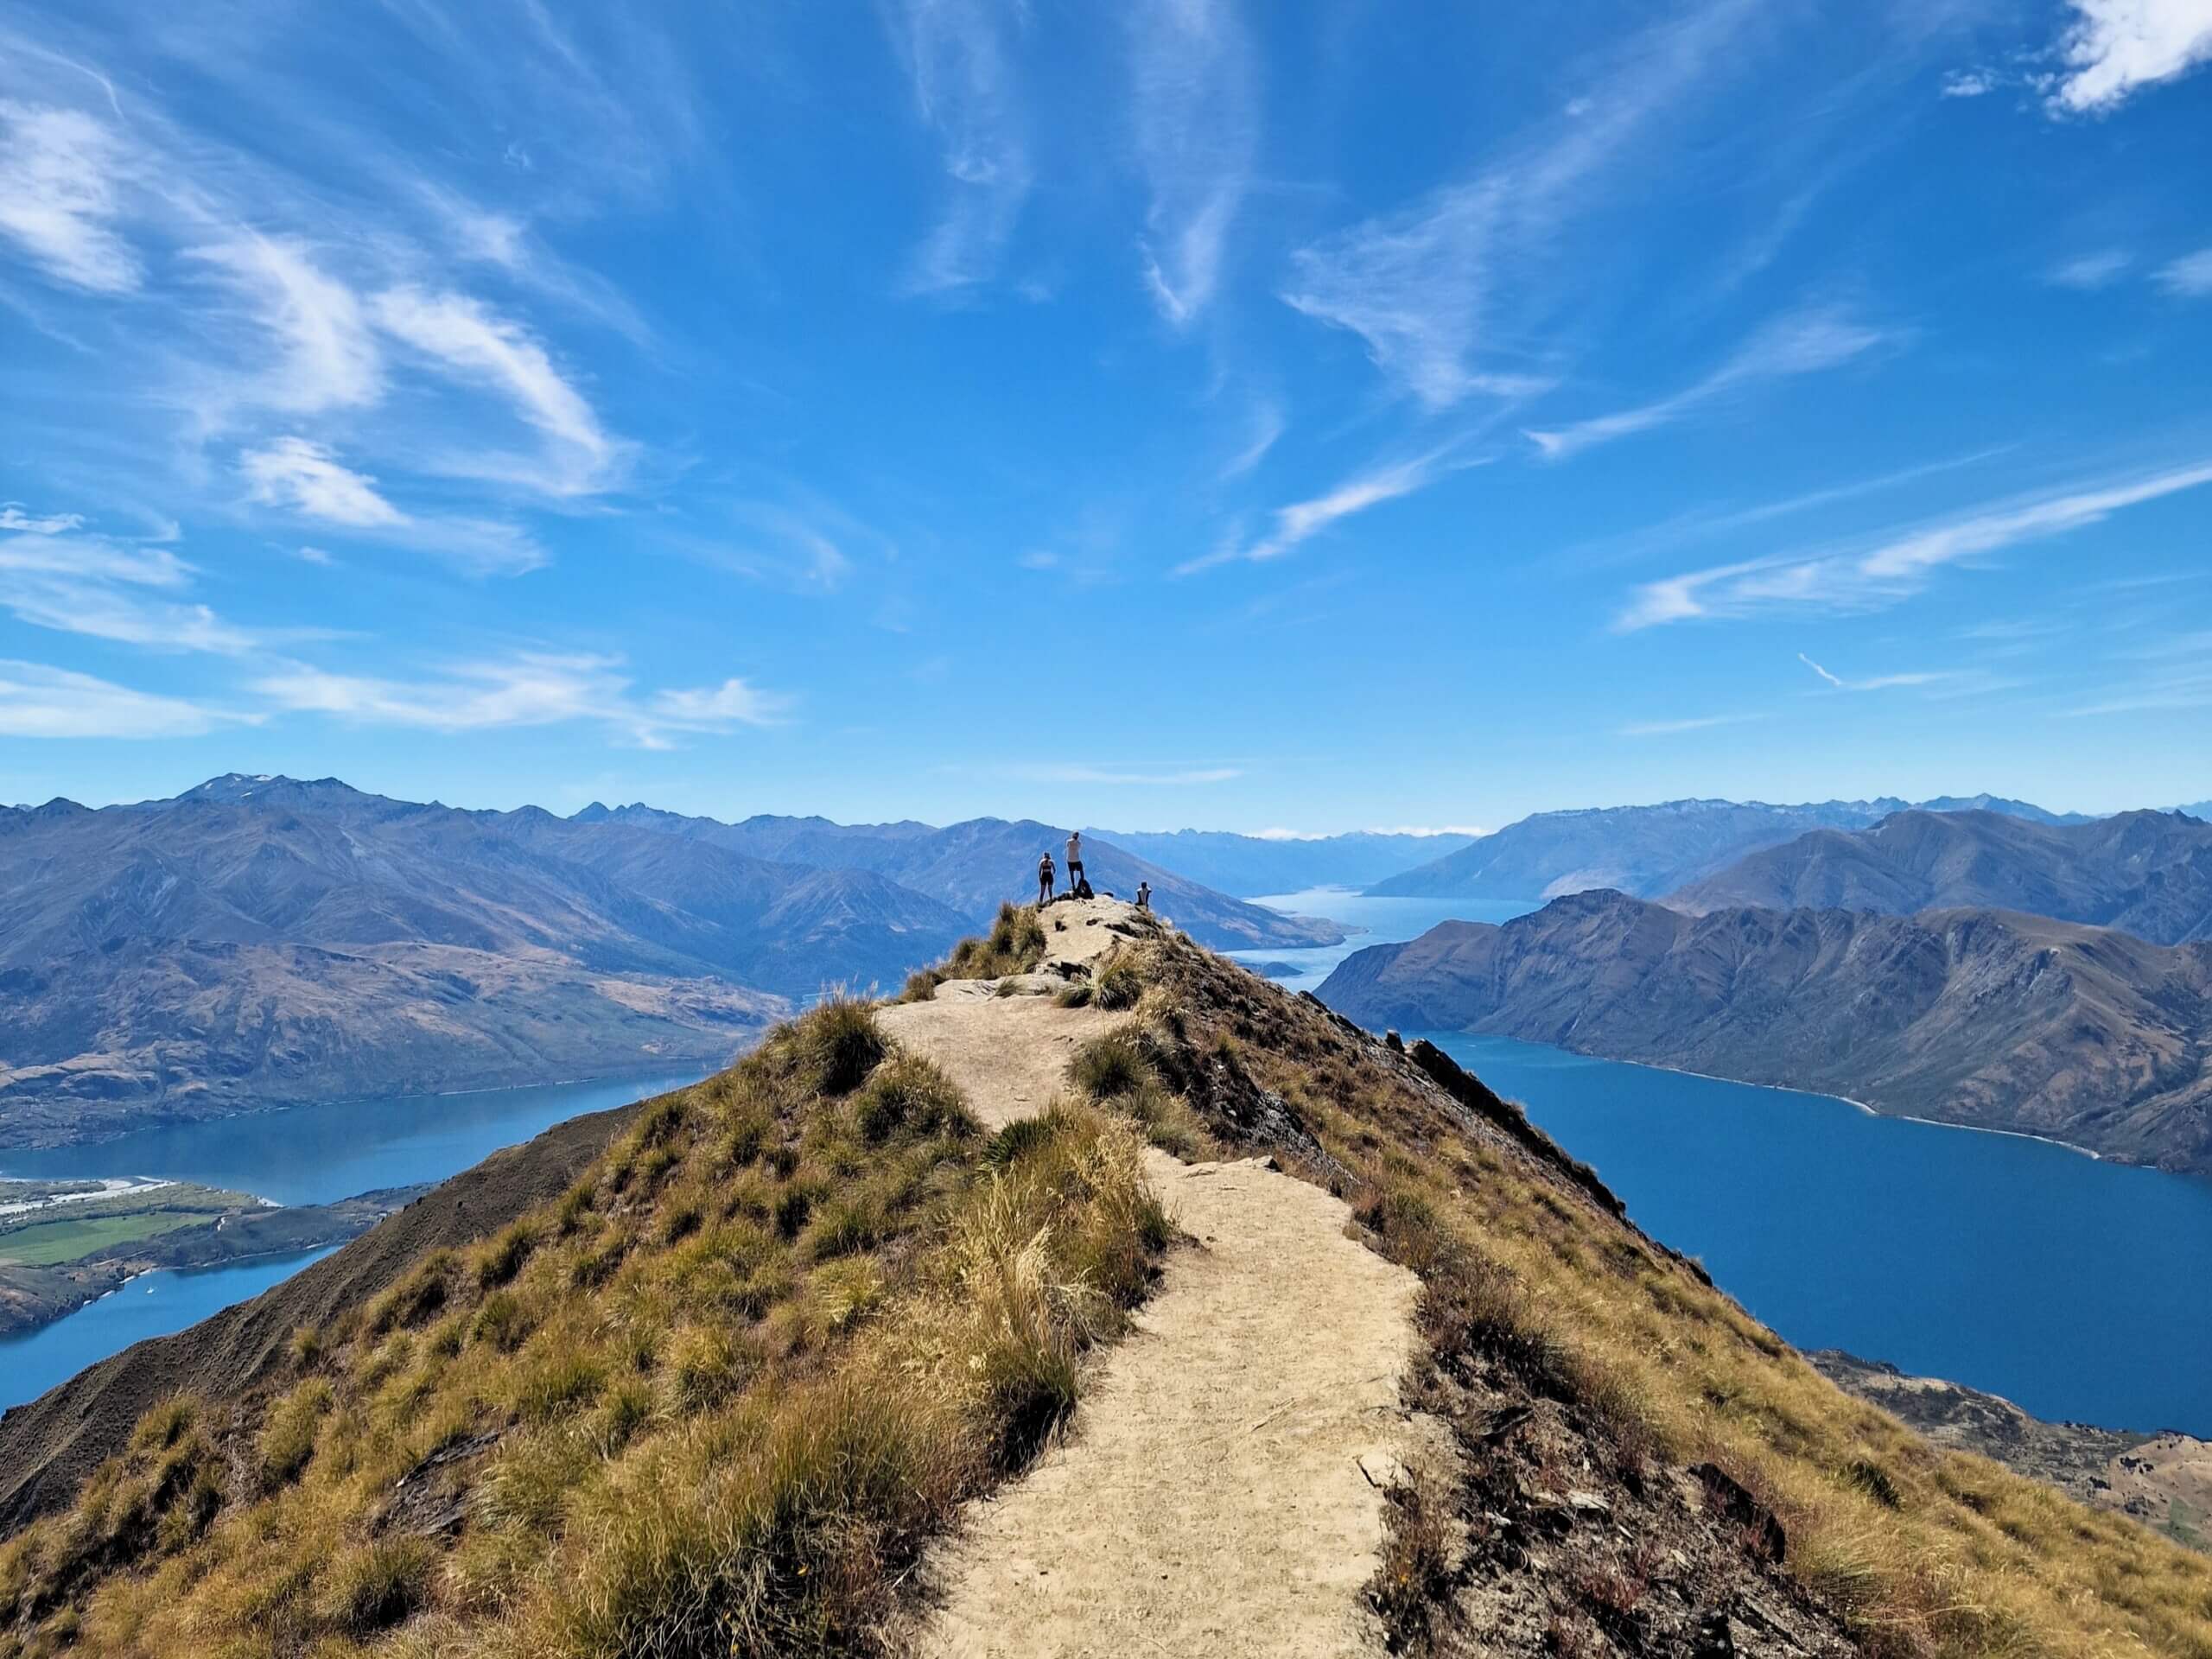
(306, 1348)
(1120, 985)
(560, 1381)
(1108, 1066)
(705, 1368)
(910, 1094)
(1075, 997)
(504, 1256)
(1015, 944)
(837, 1044)
(288, 1436)
(921, 985)
(503, 1321)
(375, 1587)
(843, 1226)
(1016, 1139)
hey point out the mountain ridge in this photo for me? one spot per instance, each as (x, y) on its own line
(1648, 850)
(2146, 873)
(1989, 1019)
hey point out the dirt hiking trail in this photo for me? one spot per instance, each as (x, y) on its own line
(1219, 1491)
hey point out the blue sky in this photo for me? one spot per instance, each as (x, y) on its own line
(1306, 415)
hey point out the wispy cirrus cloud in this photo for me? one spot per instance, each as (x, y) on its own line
(59, 196)
(2188, 278)
(1424, 286)
(1268, 425)
(1891, 568)
(1302, 520)
(467, 340)
(102, 589)
(37, 701)
(1197, 125)
(2115, 48)
(1804, 342)
(958, 60)
(1676, 727)
(2091, 272)
(328, 354)
(526, 689)
(303, 476)
(1885, 681)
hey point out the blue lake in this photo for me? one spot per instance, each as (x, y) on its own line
(2073, 1287)
(309, 1154)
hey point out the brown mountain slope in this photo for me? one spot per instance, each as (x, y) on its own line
(1986, 1018)
(2148, 873)
(729, 1391)
(48, 1446)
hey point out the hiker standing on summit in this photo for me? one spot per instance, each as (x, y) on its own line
(1075, 860)
(1044, 881)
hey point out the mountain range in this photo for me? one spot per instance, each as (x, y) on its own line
(1649, 851)
(2147, 872)
(1988, 1018)
(260, 941)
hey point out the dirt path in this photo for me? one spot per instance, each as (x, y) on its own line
(1217, 1495)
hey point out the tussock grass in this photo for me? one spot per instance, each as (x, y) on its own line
(1015, 944)
(1119, 984)
(1927, 1554)
(711, 1400)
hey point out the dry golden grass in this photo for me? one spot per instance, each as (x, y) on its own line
(714, 1398)
(1924, 1552)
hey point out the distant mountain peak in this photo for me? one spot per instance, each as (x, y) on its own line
(237, 786)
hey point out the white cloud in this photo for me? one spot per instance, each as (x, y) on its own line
(330, 358)
(1197, 123)
(313, 556)
(732, 702)
(299, 476)
(1268, 426)
(1893, 566)
(90, 586)
(1883, 682)
(58, 168)
(1422, 285)
(1674, 728)
(2092, 270)
(2188, 278)
(40, 702)
(2116, 47)
(956, 57)
(477, 346)
(1303, 519)
(1968, 83)
(530, 688)
(1804, 342)
(304, 476)
(13, 518)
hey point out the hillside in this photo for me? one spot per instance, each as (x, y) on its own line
(1987, 1017)
(1250, 864)
(825, 1355)
(1646, 850)
(975, 865)
(2163, 1480)
(2149, 874)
